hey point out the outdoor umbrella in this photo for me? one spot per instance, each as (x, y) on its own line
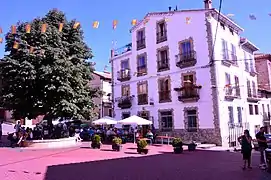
(105, 121)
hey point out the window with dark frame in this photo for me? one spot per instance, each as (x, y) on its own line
(256, 107)
(125, 90)
(164, 90)
(192, 120)
(142, 93)
(231, 116)
(239, 113)
(142, 65)
(166, 121)
(250, 107)
(161, 32)
(163, 61)
(140, 43)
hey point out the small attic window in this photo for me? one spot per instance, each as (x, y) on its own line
(222, 25)
(231, 30)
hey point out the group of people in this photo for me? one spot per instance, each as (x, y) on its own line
(246, 147)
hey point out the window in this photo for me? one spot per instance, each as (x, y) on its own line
(125, 115)
(142, 93)
(228, 86)
(163, 60)
(144, 114)
(249, 94)
(256, 109)
(239, 113)
(225, 52)
(161, 32)
(263, 108)
(250, 109)
(252, 69)
(164, 90)
(222, 25)
(254, 89)
(231, 117)
(110, 114)
(141, 65)
(192, 120)
(125, 90)
(246, 62)
(140, 36)
(166, 120)
(189, 78)
(124, 73)
(237, 86)
(124, 65)
(233, 54)
(186, 47)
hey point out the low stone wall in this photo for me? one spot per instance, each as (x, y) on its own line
(52, 143)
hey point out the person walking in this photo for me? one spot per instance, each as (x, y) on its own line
(262, 142)
(246, 148)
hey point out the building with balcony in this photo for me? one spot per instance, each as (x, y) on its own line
(102, 80)
(186, 78)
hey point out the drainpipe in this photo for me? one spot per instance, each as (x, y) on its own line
(102, 104)
(112, 84)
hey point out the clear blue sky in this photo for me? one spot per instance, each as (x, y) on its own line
(105, 11)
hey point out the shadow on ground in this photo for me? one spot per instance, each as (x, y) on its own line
(4, 141)
(198, 165)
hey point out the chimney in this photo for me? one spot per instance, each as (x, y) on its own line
(169, 8)
(208, 4)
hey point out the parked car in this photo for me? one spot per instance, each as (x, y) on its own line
(268, 138)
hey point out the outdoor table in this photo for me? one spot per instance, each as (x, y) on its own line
(165, 137)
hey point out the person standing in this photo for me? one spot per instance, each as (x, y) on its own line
(262, 142)
(1, 130)
(245, 141)
(17, 128)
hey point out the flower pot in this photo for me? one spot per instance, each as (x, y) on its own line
(192, 147)
(142, 151)
(116, 147)
(96, 145)
(178, 150)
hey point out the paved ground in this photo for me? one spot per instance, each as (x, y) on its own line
(82, 163)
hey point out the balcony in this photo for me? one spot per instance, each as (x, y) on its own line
(163, 65)
(164, 96)
(140, 44)
(188, 93)
(187, 59)
(161, 37)
(125, 102)
(124, 75)
(229, 58)
(229, 94)
(122, 50)
(142, 99)
(252, 97)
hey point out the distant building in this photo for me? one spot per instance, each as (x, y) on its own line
(102, 80)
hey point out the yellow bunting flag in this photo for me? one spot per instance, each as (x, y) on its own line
(76, 25)
(115, 23)
(13, 29)
(43, 28)
(1, 30)
(134, 22)
(28, 28)
(31, 49)
(60, 27)
(15, 45)
(95, 24)
(1, 40)
(188, 20)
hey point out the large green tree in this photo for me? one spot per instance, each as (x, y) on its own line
(49, 72)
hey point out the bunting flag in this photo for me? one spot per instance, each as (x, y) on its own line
(60, 27)
(1, 40)
(115, 23)
(134, 22)
(1, 30)
(15, 45)
(95, 24)
(188, 20)
(252, 17)
(43, 28)
(76, 25)
(13, 29)
(28, 28)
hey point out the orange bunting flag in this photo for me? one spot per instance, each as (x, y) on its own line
(13, 29)
(188, 20)
(43, 28)
(134, 22)
(115, 23)
(76, 25)
(1, 30)
(1, 40)
(31, 49)
(60, 27)
(15, 45)
(95, 24)
(28, 28)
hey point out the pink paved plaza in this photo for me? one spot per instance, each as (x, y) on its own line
(81, 163)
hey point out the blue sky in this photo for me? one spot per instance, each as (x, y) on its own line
(105, 11)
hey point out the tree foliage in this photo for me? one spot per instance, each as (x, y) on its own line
(54, 78)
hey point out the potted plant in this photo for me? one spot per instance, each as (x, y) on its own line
(116, 146)
(192, 146)
(96, 142)
(177, 145)
(141, 147)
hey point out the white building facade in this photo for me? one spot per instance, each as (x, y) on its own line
(177, 74)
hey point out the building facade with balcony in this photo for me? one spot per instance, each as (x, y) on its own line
(176, 74)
